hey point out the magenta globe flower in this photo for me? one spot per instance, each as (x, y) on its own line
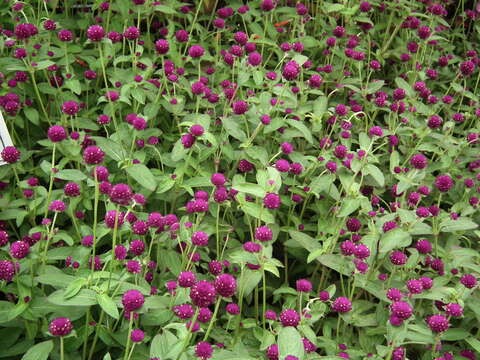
(60, 326)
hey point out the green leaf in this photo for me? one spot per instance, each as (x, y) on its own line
(376, 173)
(320, 106)
(349, 205)
(74, 288)
(405, 86)
(165, 9)
(108, 305)
(253, 189)
(71, 175)
(85, 297)
(375, 86)
(39, 351)
(461, 224)
(161, 344)
(302, 128)
(455, 334)
(333, 7)
(74, 85)
(165, 183)
(178, 151)
(306, 241)
(143, 176)
(32, 115)
(257, 212)
(474, 343)
(396, 238)
(111, 148)
(233, 129)
(290, 342)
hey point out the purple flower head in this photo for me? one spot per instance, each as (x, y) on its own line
(132, 300)
(291, 70)
(341, 305)
(60, 326)
(453, 309)
(7, 270)
(196, 51)
(10, 154)
(203, 293)
(19, 249)
(438, 323)
(57, 206)
(200, 238)
(419, 161)
(398, 258)
(225, 285)
(239, 107)
(303, 285)
(203, 350)
(93, 155)
(469, 281)
(56, 133)
(121, 194)
(137, 335)
(401, 309)
(186, 279)
(272, 201)
(263, 233)
(289, 317)
(112, 217)
(95, 33)
(444, 183)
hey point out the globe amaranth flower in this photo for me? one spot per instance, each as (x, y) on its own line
(263, 233)
(93, 155)
(133, 267)
(203, 350)
(112, 217)
(444, 183)
(272, 201)
(218, 179)
(438, 323)
(71, 189)
(70, 107)
(469, 281)
(398, 258)
(203, 293)
(95, 33)
(401, 309)
(303, 285)
(132, 300)
(7, 270)
(196, 51)
(57, 206)
(186, 279)
(289, 317)
(60, 326)
(56, 133)
(137, 335)
(121, 194)
(232, 309)
(225, 285)
(239, 107)
(418, 161)
(10, 154)
(291, 70)
(454, 309)
(272, 352)
(204, 315)
(341, 304)
(199, 238)
(19, 249)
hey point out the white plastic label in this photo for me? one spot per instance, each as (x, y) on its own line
(5, 139)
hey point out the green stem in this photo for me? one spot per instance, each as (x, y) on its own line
(130, 323)
(62, 356)
(212, 320)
